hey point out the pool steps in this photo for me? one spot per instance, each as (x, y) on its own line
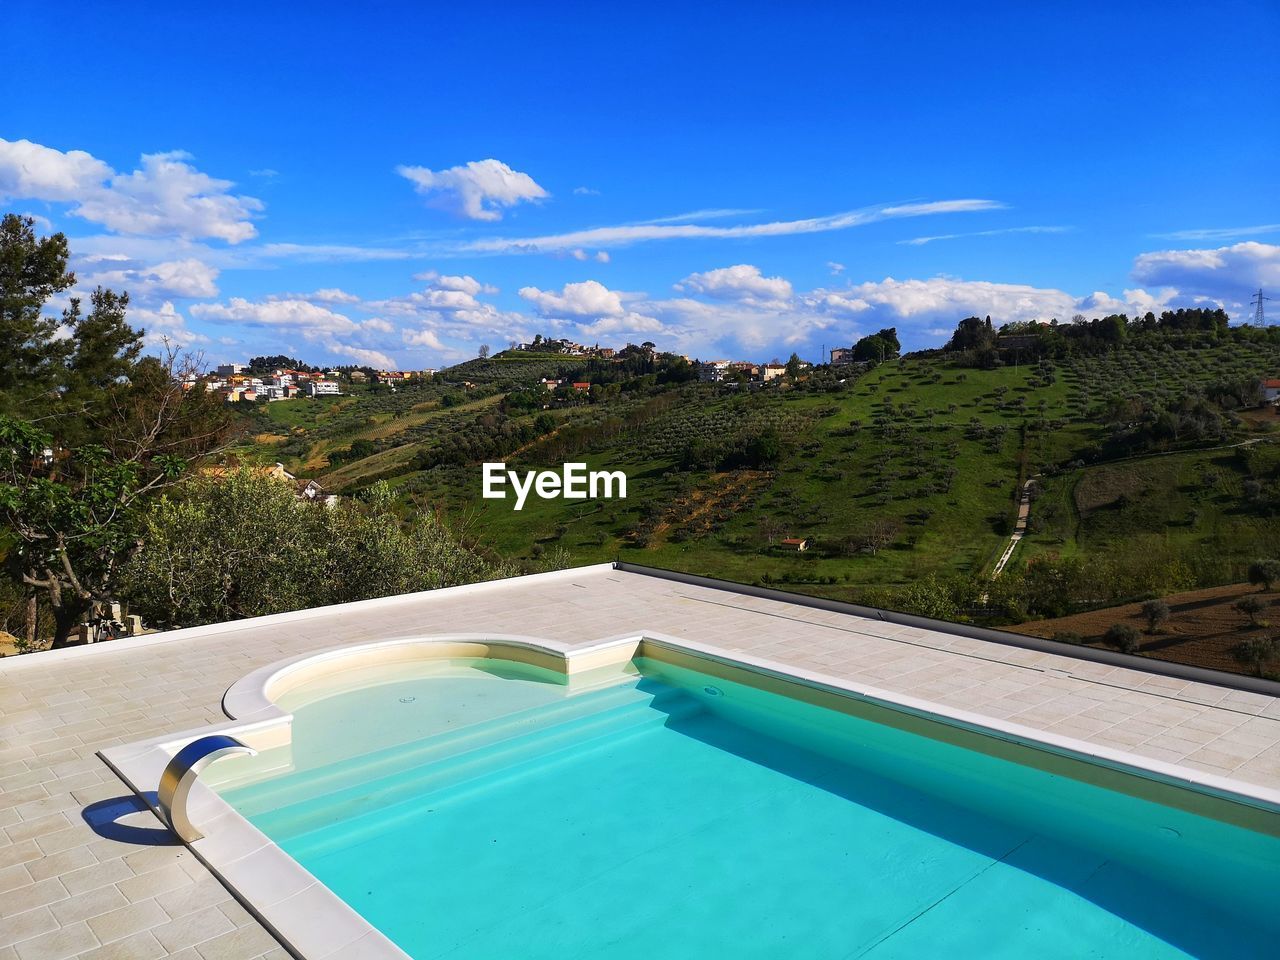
(462, 759)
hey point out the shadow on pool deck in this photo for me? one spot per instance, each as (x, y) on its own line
(107, 819)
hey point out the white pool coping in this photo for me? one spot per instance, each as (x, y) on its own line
(314, 923)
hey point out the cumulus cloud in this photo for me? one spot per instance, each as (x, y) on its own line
(742, 282)
(477, 190)
(187, 278)
(296, 314)
(164, 324)
(313, 322)
(594, 310)
(1229, 274)
(590, 298)
(165, 196)
(644, 232)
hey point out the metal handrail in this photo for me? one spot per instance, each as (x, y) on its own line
(181, 773)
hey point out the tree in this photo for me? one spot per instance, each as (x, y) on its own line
(878, 347)
(1124, 637)
(1265, 573)
(243, 545)
(1155, 612)
(112, 428)
(32, 355)
(1256, 652)
(484, 351)
(972, 333)
(879, 534)
(793, 366)
(68, 512)
(1250, 606)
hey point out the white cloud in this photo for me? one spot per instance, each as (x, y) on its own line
(317, 324)
(713, 213)
(1222, 233)
(639, 233)
(921, 241)
(602, 256)
(363, 355)
(303, 316)
(166, 196)
(333, 295)
(1226, 274)
(594, 310)
(188, 278)
(36, 172)
(835, 268)
(478, 190)
(742, 282)
(165, 324)
(590, 298)
(328, 252)
(586, 192)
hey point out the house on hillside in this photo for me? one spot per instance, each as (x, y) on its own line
(771, 371)
(713, 371)
(322, 388)
(794, 544)
(1270, 391)
(582, 386)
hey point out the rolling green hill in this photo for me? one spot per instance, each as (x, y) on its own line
(905, 474)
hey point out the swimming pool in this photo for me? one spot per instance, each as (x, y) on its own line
(677, 808)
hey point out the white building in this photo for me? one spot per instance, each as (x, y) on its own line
(322, 388)
(713, 371)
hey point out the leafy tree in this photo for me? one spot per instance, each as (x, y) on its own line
(878, 347)
(1265, 573)
(1124, 637)
(1155, 612)
(793, 366)
(1256, 652)
(972, 333)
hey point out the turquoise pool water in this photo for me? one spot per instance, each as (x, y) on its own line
(472, 809)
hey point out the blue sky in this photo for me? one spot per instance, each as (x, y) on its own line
(399, 185)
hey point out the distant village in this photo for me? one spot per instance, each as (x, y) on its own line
(235, 382)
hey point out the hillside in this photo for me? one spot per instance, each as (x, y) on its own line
(900, 477)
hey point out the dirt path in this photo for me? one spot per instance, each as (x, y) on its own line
(1019, 528)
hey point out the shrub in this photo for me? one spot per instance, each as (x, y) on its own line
(1155, 612)
(1265, 573)
(1124, 637)
(1256, 652)
(1250, 607)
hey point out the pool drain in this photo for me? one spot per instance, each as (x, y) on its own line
(713, 691)
(408, 699)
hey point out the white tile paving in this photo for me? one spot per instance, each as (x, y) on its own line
(66, 891)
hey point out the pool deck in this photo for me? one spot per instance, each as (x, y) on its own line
(78, 879)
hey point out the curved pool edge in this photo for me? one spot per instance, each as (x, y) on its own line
(314, 923)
